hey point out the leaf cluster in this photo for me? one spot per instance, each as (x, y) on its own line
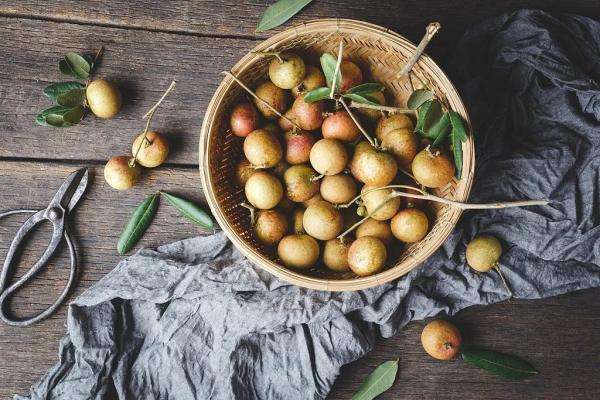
(437, 124)
(68, 96)
(362, 93)
(144, 213)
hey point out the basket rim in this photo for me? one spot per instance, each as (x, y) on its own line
(336, 25)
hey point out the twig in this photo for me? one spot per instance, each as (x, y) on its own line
(155, 106)
(356, 225)
(252, 212)
(149, 116)
(247, 89)
(270, 53)
(365, 134)
(388, 109)
(462, 206)
(510, 293)
(338, 65)
(430, 32)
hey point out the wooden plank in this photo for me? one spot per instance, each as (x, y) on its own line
(239, 18)
(96, 223)
(558, 335)
(136, 59)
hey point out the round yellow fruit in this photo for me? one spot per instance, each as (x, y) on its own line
(154, 150)
(103, 98)
(119, 174)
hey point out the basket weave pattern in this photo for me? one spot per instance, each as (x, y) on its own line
(380, 54)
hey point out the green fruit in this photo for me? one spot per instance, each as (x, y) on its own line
(483, 253)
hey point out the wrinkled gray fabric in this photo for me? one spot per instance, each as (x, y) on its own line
(195, 320)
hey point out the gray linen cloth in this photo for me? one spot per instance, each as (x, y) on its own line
(195, 320)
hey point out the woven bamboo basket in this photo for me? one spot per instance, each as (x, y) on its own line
(380, 53)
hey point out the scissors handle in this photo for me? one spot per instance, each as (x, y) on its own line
(56, 216)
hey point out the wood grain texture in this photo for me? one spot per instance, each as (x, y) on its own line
(96, 224)
(142, 63)
(148, 44)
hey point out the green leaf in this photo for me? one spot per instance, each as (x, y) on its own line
(72, 98)
(56, 89)
(328, 63)
(280, 12)
(458, 125)
(428, 115)
(361, 99)
(317, 94)
(65, 68)
(366, 88)
(507, 366)
(440, 130)
(79, 65)
(457, 137)
(54, 116)
(190, 211)
(418, 97)
(378, 382)
(74, 115)
(138, 223)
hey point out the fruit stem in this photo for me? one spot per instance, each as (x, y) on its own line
(510, 293)
(338, 65)
(365, 134)
(317, 177)
(359, 223)
(252, 212)
(448, 345)
(247, 89)
(473, 206)
(357, 198)
(388, 109)
(149, 116)
(430, 32)
(270, 53)
(98, 53)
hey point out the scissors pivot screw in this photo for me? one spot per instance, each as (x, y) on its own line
(54, 213)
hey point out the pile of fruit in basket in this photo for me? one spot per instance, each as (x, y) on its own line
(320, 187)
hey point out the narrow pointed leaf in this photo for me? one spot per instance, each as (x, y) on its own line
(440, 130)
(378, 382)
(72, 98)
(79, 65)
(505, 365)
(365, 99)
(458, 125)
(458, 135)
(428, 115)
(418, 97)
(317, 94)
(280, 12)
(138, 223)
(366, 88)
(56, 89)
(328, 63)
(190, 210)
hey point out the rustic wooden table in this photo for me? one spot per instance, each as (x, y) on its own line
(149, 43)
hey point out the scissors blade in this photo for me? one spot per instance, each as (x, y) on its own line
(72, 189)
